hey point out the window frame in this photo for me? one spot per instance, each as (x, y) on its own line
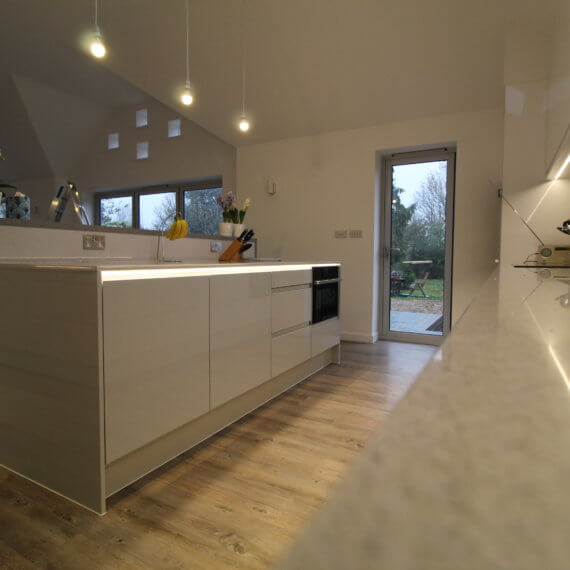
(135, 193)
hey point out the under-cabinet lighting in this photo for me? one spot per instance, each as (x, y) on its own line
(160, 273)
(562, 168)
(559, 366)
(561, 159)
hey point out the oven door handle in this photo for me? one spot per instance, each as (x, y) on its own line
(327, 281)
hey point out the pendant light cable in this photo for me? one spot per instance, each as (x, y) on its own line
(187, 96)
(243, 56)
(187, 44)
(244, 123)
(97, 47)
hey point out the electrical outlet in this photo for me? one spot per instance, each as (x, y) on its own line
(216, 247)
(355, 233)
(340, 233)
(93, 241)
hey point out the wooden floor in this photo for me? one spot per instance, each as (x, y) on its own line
(237, 500)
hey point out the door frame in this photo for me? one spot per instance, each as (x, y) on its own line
(385, 235)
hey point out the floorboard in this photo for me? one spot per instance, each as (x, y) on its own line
(237, 500)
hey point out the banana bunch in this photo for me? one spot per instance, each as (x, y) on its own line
(178, 229)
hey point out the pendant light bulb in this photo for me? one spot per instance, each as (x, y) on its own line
(187, 97)
(97, 47)
(244, 125)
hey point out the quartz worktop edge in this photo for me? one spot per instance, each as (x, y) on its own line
(471, 469)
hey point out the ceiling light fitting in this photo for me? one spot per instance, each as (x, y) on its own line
(187, 97)
(244, 125)
(97, 46)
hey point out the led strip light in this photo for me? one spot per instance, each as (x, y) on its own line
(108, 275)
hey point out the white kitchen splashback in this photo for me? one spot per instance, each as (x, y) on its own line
(51, 243)
(537, 115)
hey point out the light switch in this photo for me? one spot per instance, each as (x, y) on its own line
(355, 233)
(340, 233)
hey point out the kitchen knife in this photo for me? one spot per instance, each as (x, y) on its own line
(248, 236)
(242, 235)
(245, 247)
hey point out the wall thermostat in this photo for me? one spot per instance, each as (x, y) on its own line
(271, 187)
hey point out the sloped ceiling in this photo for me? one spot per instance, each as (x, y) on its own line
(311, 65)
(67, 127)
(19, 140)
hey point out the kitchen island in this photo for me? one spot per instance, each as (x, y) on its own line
(109, 370)
(471, 470)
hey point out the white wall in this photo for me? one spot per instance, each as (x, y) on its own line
(195, 154)
(327, 182)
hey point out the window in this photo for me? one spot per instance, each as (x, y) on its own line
(202, 211)
(153, 208)
(141, 118)
(112, 141)
(142, 150)
(116, 211)
(174, 128)
(156, 209)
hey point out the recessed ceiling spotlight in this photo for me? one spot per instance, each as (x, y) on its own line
(97, 46)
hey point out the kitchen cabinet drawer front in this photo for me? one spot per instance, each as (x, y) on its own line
(324, 335)
(290, 349)
(156, 359)
(290, 308)
(290, 278)
(240, 334)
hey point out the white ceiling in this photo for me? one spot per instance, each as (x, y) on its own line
(312, 65)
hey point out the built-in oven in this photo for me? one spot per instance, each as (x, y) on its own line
(326, 292)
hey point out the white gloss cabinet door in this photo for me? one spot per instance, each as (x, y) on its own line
(290, 349)
(156, 358)
(290, 308)
(240, 320)
(325, 335)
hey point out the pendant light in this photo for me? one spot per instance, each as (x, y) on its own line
(187, 96)
(244, 125)
(97, 46)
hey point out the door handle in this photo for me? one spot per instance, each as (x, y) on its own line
(389, 250)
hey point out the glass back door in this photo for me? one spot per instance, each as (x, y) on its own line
(417, 252)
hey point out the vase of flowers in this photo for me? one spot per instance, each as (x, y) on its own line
(226, 203)
(238, 215)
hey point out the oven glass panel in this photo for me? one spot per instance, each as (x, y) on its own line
(325, 302)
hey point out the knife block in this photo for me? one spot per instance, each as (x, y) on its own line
(232, 253)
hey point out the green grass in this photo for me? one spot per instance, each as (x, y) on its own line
(433, 289)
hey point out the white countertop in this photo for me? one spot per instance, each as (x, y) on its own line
(472, 469)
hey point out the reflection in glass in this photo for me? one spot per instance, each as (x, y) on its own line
(202, 211)
(117, 212)
(155, 210)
